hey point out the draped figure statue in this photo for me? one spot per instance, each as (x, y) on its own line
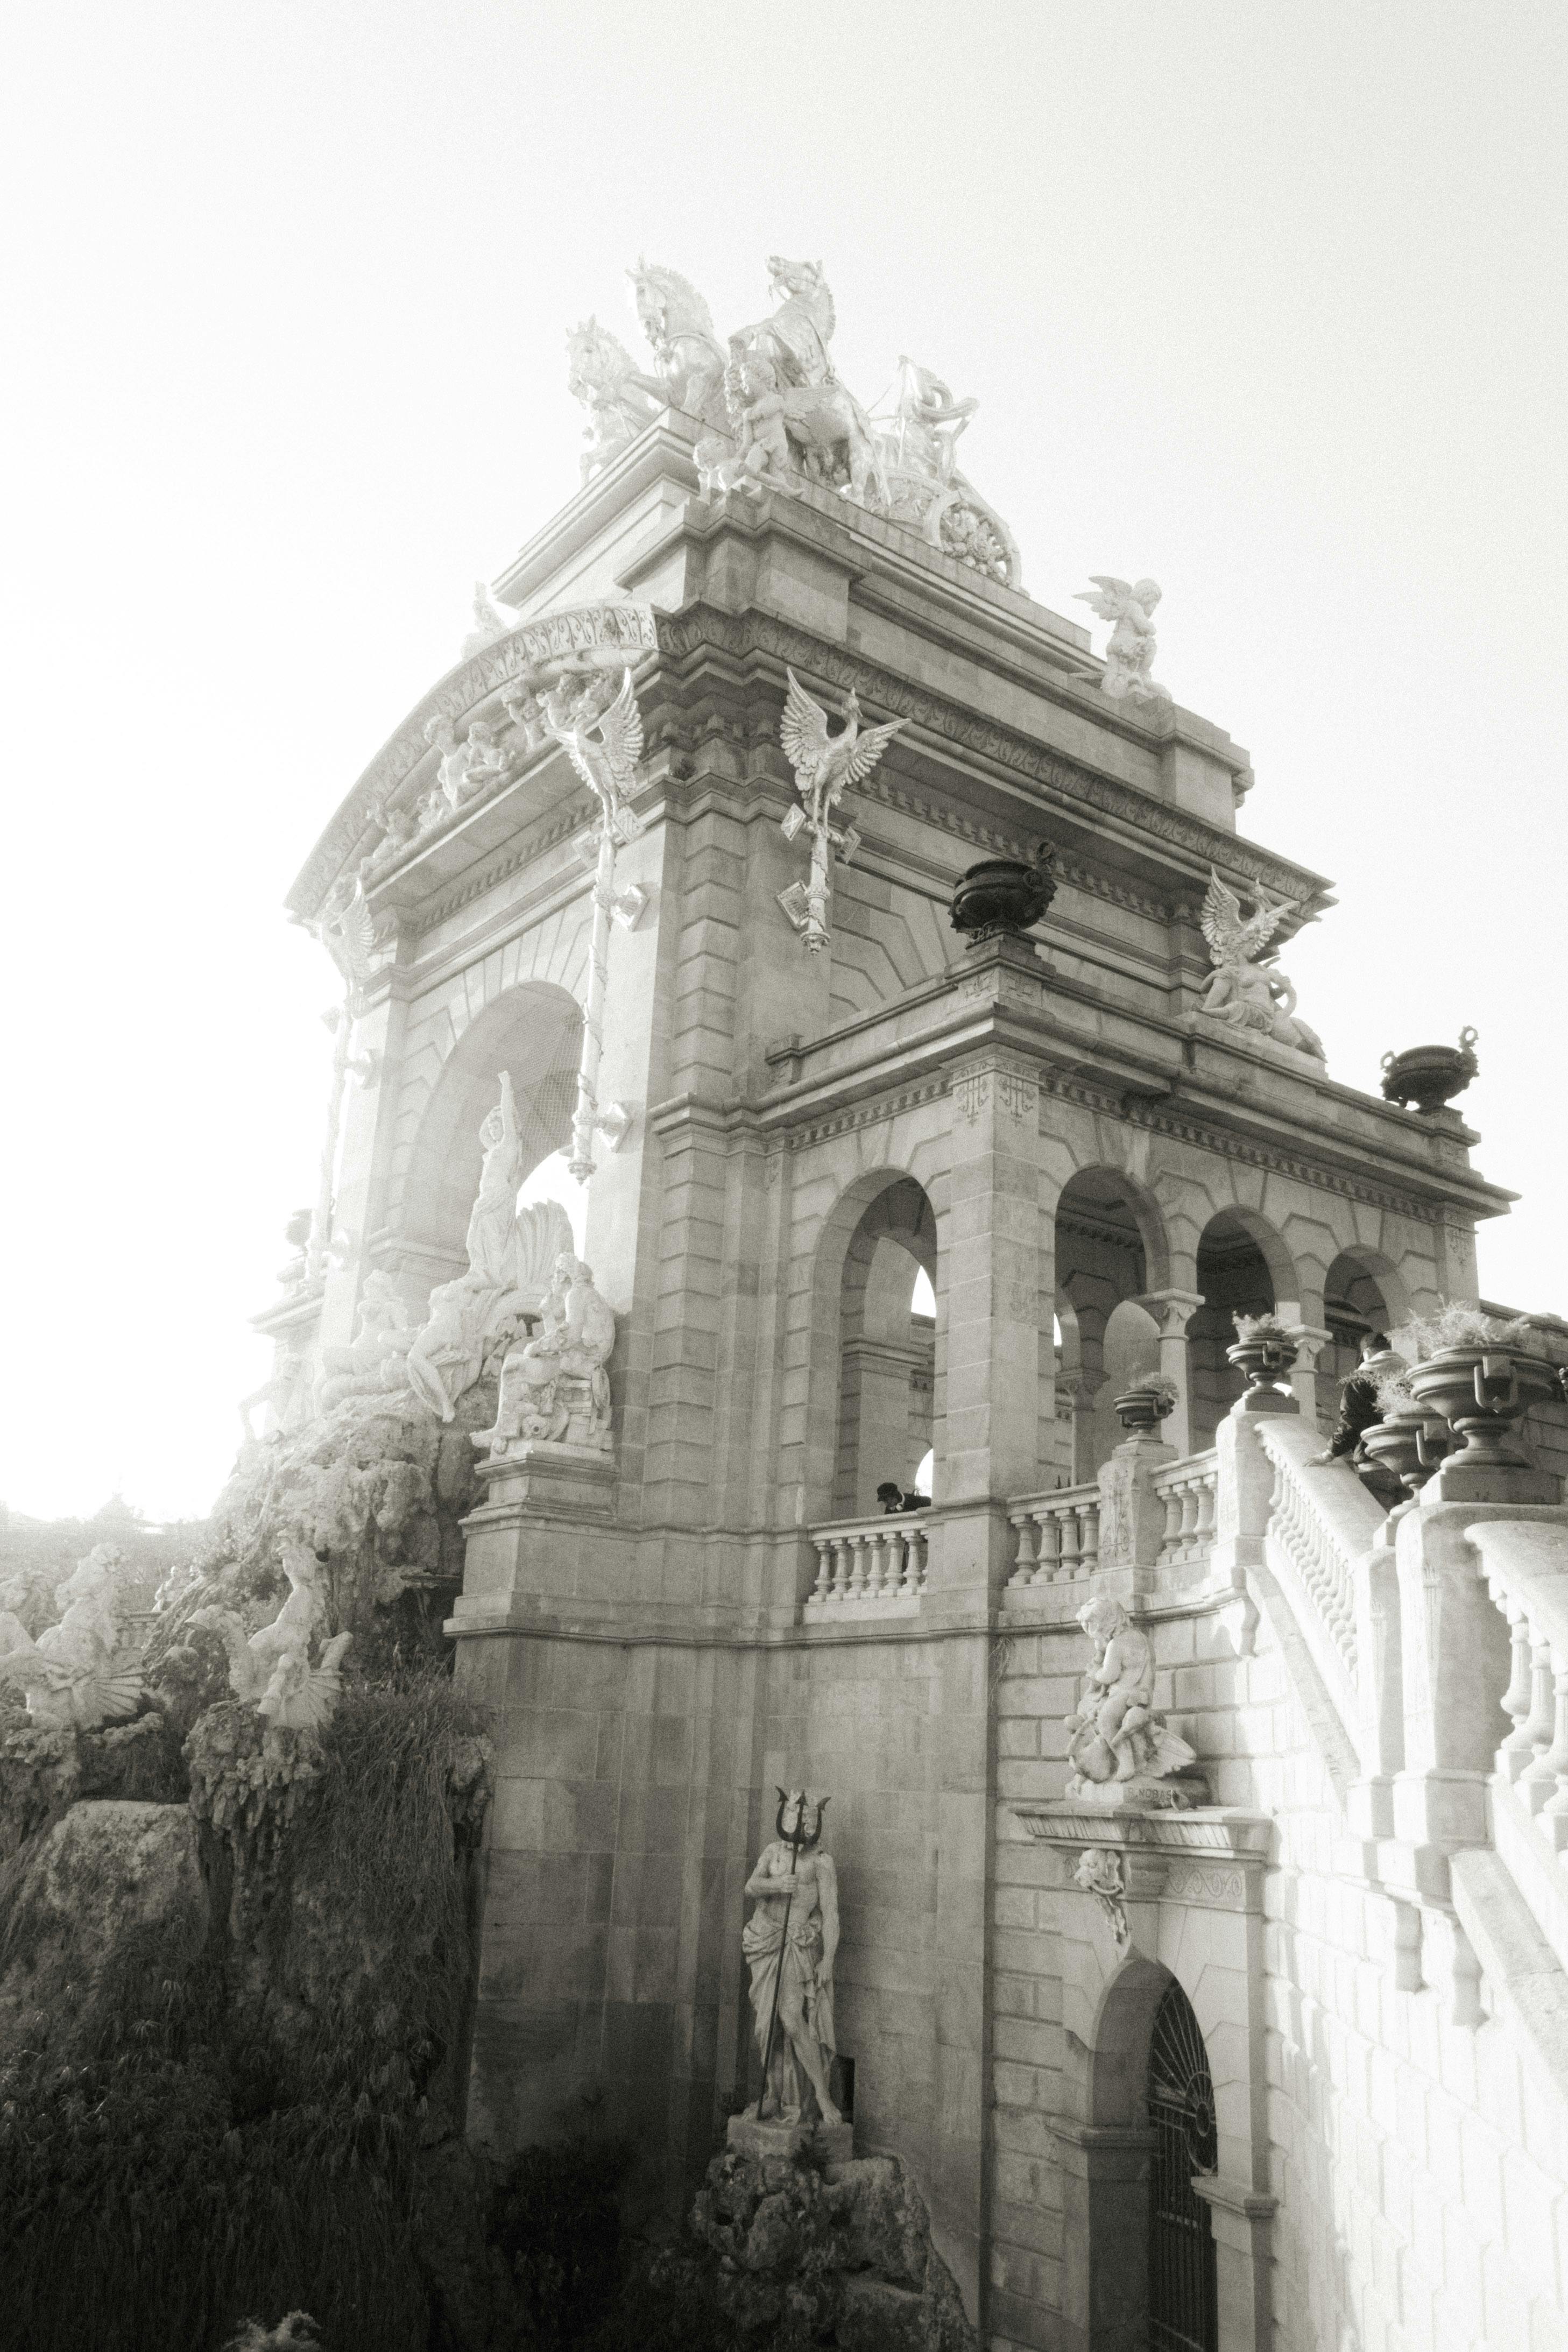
(789, 1943)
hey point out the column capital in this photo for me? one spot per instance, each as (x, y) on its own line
(1172, 1310)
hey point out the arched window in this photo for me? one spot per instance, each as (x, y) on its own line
(1182, 2298)
(887, 1349)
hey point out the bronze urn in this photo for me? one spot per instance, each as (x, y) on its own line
(1430, 1076)
(1003, 894)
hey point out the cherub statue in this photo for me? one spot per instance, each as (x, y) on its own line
(467, 766)
(789, 1942)
(1246, 988)
(757, 408)
(81, 1674)
(1130, 655)
(556, 1386)
(272, 1669)
(1115, 1735)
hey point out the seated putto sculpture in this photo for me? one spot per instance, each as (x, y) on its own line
(555, 1386)
(1119, 1747)
(1247, 989)
(271, 1669)
(789, 1943)
(81, 1672)
(1128, 656)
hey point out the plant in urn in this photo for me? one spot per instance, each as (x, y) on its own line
(1482, 1375)
(1143, 1407)
(1263, 1352)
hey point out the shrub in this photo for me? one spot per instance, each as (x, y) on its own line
(1456, 1326)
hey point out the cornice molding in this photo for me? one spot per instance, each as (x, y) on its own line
(701, 626)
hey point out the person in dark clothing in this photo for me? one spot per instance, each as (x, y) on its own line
(890, 1496)
(1359, 1407)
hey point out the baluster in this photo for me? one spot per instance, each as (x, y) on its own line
(1547, 1778)
(1024, 1555)
(1171, 1540)
(1089, 1517)
(1516, 1698)
(875, 1545)
(840, 1567)
(1047, 1565)
(1206, 1511)
(857, 1566)
(1535, 1732)
(1189, 1515)
(1068, 1534)
(915, 1562)
(824, 1555)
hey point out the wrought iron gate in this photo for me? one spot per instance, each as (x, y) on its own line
(1181, 2247)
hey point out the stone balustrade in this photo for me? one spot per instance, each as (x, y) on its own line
(1524, 1568)
(1188, 1491)
(1321, 1523)
(868, 1565)
(1057, 1536)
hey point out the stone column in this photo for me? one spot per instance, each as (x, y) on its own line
(1239, 2219)
(1172, 1310)
(1311, 1339)
(1105, 2170)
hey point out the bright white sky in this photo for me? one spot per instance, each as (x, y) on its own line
(1266, 302)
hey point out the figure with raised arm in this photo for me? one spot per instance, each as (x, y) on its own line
(789, 1942)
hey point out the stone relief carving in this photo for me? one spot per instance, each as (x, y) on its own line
(271, 1668)
(556, 1387)
(83, 1671)
(1099, 1873)
(790, 1942)
(1247, 989)
(824, 767)
(1119, 1747)
(1130, 655)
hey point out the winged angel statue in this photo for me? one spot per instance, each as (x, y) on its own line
(824, 767)
(1246, 988)
(1129, 656)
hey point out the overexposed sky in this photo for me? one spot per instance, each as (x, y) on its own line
(1267, 301)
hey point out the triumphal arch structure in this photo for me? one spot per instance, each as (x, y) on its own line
(677, 845)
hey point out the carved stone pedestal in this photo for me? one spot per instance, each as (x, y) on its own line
(774, 2136)
(572, 1482)
(1143, 1793)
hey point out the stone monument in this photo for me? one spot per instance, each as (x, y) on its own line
(789, 1942)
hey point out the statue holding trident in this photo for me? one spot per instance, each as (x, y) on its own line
(789, 1942)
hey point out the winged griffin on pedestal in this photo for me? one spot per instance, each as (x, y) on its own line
(824, 767)
(1246, 989)
(778, 417)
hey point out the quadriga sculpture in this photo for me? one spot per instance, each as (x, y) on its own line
(272, 1667)
(81, 1674)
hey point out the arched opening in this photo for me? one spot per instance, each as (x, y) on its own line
(1109, 1250)
(534, 1032)
(887, 1349)
(1355, 1303)
(1242, 1270)
(1183, 2291)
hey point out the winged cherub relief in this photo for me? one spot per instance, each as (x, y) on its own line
(1247, 989)
(1129, 656)
(824, 767)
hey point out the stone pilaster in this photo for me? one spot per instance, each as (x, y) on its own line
(1172, 1310)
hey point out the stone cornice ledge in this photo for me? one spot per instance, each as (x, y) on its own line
(701, 625)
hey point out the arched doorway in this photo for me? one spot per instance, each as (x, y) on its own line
(1183, 2294)
(887, 1349)
(1353, 1304)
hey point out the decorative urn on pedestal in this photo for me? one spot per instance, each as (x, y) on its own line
(1263, 1352)
(1410, 1441)
(1003, 894)
(1483, 1381)
(1430, 1076)
(1141, 1407)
